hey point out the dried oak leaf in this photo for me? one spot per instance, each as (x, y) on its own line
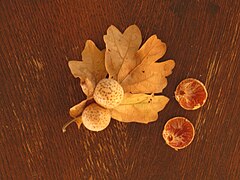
(77, 109)
(136, 70)
(141, 108)
(91, 69)
(121, 50)
(78, 121)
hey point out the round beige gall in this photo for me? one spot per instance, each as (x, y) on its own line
(108, 93)
(95, 117)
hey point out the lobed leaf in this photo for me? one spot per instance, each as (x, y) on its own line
(121, 50)
(91, 69)
(148, 79)
(141, 108)
(136, 70)
(149, 76)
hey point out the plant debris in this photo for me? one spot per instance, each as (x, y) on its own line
(91, 69)
(134, 70)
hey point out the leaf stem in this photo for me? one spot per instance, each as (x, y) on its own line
(67, 124)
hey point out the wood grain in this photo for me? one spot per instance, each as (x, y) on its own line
(38, 38)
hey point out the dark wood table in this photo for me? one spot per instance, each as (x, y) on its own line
(38, 38)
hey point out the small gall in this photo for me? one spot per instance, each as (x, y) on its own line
(108, 93)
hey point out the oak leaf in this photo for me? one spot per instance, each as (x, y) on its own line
(141, 108)
(121, 50)
(78, 121)
(77, 109)
(91, 69)
(148, 79)
(136, 70)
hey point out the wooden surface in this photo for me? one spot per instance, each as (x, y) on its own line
(38, 38)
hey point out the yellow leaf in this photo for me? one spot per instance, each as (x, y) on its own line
(152, 50)
(136, 70)
(148, 79)
(149, 76)
(141, 108)
(78, 121)
(91, 69)
(121, 50)
(77, 109)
